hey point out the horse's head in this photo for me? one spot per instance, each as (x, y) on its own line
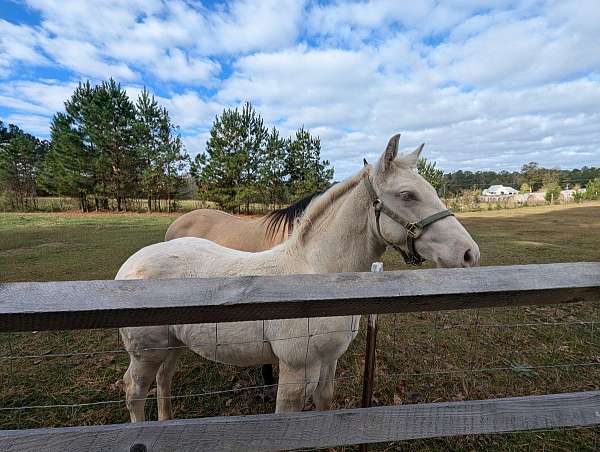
(409, 215)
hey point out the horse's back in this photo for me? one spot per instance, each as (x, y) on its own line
(222, 228)
(192, 257)
(197, 223)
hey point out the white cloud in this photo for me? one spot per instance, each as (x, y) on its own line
(176, 66)
(491, 86)
(189, 110)
(44, 97)
(18, 44)
(34, 124)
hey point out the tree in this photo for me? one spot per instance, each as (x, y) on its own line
(95, 139)
(106, 147)
(228, 171)
(162, 157)
(272, 170)
(109, 123)
(21, 155)
(306, 171)
(146, 132)
(592, 189)
(525, 188)
(552, 190)
(67, 169)
(530, 174)
(171, 158)
(431, 174)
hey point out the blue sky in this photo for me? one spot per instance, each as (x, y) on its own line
(486, 85)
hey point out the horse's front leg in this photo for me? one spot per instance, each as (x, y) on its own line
(323, 395)
(296, 385)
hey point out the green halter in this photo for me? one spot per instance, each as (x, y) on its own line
(413, 230)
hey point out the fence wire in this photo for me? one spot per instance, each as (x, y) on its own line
(440, 345)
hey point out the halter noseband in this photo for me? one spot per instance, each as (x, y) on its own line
(413, 230)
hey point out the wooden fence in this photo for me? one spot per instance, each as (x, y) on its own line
(104, 304)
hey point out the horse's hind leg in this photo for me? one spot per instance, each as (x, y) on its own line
(138, 378)
(164, 377)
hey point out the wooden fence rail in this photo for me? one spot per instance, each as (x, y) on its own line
(37, 306)
(319, 429)
(104, 304)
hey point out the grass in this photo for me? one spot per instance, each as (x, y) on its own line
(421, 357)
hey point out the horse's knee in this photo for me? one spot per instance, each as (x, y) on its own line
(295, 387)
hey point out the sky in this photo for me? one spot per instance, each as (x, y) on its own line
(485, 84)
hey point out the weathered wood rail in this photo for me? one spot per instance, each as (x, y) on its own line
(38, 306)
(320, 429)
(104, 304)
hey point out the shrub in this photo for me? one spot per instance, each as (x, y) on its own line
(592, 190)
(578, 196)
(552, 192)
(525, 188)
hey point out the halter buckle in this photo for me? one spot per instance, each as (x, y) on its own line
(377, 204)
(413, 230)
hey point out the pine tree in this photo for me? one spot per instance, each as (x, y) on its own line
(228, 172)
(109, 120)
(307, 172)
(272, 172)
(67, 169)
(21, 155)
(147, 130)
(171, 158)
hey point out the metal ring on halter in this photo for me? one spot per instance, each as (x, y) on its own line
(413, 230)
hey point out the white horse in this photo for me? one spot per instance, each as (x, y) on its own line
(344, 230)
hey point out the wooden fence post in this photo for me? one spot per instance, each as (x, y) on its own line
(370, 355)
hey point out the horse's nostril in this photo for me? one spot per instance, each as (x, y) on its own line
(468, 256)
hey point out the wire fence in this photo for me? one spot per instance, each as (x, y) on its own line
(420, 358)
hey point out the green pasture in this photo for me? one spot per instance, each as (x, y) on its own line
(422, 357)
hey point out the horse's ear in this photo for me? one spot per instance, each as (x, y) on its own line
(390, 153)
(365, 163)
(412, 158)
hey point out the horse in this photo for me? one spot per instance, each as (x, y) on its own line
(227, 230)
(344, 230)
(244, 235)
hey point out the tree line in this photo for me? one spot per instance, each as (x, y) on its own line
(111, 152)
(104, 149)
(531, 177)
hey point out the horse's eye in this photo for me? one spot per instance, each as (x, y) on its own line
(407, 196)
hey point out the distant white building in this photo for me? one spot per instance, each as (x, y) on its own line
(498, 190)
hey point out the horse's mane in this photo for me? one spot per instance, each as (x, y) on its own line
(321, 204)
(285, 217)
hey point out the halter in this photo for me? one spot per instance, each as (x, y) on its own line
(413, 230)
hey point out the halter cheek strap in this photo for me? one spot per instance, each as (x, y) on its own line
(413, 230)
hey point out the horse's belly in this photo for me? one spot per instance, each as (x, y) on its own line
(297, 341)
(236, 343)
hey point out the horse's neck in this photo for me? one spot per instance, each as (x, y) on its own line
(344, 241)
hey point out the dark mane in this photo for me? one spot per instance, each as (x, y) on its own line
(285, 217)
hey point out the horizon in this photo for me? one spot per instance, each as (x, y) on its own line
(487, 89)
